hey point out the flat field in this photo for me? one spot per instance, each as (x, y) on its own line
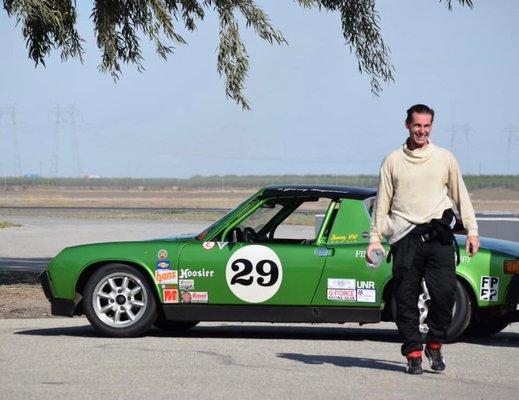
(488, 199)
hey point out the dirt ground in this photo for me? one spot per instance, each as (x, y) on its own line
(23, 301)
(496, 199)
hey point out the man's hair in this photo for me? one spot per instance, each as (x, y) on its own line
(419, 109)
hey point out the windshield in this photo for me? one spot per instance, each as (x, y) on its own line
(259, 219)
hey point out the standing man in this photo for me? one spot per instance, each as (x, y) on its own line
(418, 185)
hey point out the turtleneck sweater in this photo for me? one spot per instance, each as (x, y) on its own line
(416, 186)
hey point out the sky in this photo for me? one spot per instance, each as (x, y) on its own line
(312, 111)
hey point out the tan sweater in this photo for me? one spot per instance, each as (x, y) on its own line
(416, 187)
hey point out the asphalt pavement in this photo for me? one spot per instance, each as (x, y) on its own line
(64, 359)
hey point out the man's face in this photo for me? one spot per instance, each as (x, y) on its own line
(419, 129)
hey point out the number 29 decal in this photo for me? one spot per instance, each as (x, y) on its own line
(254, 273)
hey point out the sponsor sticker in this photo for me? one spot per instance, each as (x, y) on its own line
(337, 283)
(186, 284)
(221, 245)
(170, 295)
(365, 285)
(341, 294)
(349, 237)
(199, 297)
(199, 273)
(489, 288)
(254, 273)
(338, 238)
(208, 245)
(465, 259)
(166, 276)
(321, 252)
(163, 264)
(360, 253)
(186, 297)
(366, 295)
(162, 254)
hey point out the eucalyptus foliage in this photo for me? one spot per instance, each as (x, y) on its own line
(120, 24)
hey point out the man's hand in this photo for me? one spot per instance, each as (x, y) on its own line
(372, 247)
(472, 245)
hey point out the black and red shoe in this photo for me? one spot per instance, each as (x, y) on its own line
(414, 363)
(434, 354)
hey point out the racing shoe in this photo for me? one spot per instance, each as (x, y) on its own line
(414, 363)
(434, 354)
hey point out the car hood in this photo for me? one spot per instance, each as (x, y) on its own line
(176, 238)
(498, 245)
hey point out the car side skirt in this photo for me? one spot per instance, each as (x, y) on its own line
(205, 312)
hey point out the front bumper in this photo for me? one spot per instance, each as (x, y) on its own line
(64, 308)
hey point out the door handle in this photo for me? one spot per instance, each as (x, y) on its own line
(365, 235)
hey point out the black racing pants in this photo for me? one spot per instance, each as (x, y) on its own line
(434, 261)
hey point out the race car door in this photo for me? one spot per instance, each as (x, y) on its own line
(346, 281)
(249, 273)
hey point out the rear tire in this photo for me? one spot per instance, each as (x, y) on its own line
(118, 300)
(461, 313)
(486, 324)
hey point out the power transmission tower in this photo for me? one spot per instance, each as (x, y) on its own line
(513, 133)
(11, 112)
(67, 117)
(453, 131)
(54, 165)
(75, 152)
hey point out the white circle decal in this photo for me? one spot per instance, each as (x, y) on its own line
(254, 273)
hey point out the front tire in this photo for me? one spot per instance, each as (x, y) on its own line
(119, 302)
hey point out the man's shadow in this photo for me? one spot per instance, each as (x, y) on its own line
(344, 361)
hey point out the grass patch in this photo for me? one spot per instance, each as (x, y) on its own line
(7, 224)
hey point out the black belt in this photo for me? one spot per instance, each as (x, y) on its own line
(429, 235)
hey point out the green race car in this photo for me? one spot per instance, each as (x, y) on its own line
(245, 267)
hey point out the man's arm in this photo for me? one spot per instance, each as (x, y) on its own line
(381, 208)
(459, 194)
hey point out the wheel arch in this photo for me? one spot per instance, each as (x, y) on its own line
(96, 265)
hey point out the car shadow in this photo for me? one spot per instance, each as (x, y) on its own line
(284, 332)
(228, 331)
(344, 361)
(238, 331)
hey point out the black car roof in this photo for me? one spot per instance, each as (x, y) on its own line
(329, 191)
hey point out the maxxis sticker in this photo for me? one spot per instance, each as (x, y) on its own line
(254, 273)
